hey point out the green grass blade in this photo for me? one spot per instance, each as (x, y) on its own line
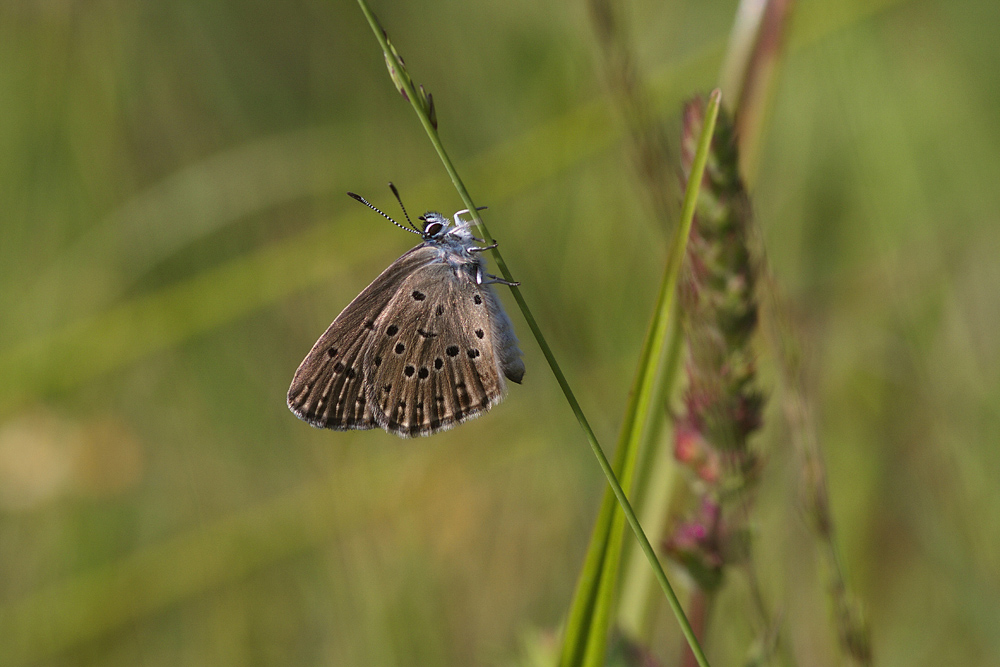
(653, 486)
(591, 608)
(657, 349)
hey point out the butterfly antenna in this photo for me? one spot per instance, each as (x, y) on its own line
(396, 192)
(377, 210)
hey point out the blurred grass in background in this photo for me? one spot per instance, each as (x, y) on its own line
(175, 235)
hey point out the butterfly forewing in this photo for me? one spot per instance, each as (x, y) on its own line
(431, 364)
(328, 388)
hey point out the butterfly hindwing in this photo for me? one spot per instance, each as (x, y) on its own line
(432, 363)
(327, 390)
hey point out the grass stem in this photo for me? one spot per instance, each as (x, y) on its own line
(675, 258)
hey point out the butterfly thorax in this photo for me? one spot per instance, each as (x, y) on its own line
(453, 244)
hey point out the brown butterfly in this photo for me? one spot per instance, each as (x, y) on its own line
(424, 347)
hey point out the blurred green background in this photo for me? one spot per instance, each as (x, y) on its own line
(174, 235)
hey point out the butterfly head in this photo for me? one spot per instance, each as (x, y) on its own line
(435, 225)
(438, 227)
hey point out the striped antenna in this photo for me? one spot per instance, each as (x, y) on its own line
(396, 192)
(376, 209)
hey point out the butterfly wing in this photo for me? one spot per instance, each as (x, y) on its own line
(327, 390)
(434, 360)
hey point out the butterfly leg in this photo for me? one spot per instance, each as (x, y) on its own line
(462, 223)
(496, 280)
(493, 280)
(489, 247)
(500, 281)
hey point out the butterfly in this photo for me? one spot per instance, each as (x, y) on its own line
(424, 347)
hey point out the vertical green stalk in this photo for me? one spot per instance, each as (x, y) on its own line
(587, 626)
(424, 109)
(658, 468)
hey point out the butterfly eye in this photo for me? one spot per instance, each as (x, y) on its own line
(433, 228)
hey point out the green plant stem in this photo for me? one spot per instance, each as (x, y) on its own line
(673, 263)
(657, 465)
